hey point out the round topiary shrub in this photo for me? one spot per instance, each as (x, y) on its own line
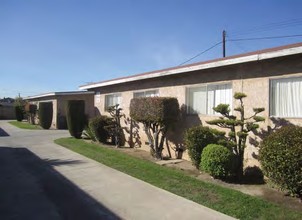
(97, 126)
(45, 114)
(217, 160)
(197, 138)
(281, 158)
(75, 115)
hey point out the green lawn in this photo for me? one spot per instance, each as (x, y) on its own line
(228, 201)
(25, 125)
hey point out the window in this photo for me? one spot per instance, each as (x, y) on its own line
(113, 99)
(286, 97)
(149, 93)
(201, 100)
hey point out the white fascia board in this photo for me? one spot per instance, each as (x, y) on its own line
(214, 64)
(59, 94)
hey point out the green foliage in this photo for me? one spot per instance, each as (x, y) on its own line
(217, 160)
(75, 115)
(161, 110)
(19, 108)
(222, 109)
(19, 113)
(88, 134)
(157, 114)
(240, 95)
(239, 127)
(115, 129)
(197, 138)
(98, 125)
(45, 114)
(281, 158)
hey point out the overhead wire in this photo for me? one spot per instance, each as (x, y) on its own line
(197, 55)
(262, 28)
(264, 38)
(269, 27)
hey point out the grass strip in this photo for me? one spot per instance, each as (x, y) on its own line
(228, 201)
(25, 125)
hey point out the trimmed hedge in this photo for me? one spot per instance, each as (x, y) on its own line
(45, 114)
(19, 113)
(281, 158)
(97, 126)
(197, 138)
(217, 161)
(75, 115)
(162, 110)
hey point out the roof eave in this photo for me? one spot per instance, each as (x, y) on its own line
(214, 64)
(58, 94)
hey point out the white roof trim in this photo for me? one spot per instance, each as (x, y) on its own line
(231, 61)
(59, 94)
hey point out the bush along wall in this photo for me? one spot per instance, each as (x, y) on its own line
(45, 114)
(19, 113)
(157, 114)
(31, 111)
(197, 138)
(281, 159)
(217, 160)
(75, 115)
(97, 126)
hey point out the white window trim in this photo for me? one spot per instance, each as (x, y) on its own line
(270, 104)
(206, 85)
(111, 94)
(145, 91)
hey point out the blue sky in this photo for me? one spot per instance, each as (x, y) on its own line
(57, 45)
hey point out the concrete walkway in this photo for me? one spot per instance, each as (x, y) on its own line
(41, 180)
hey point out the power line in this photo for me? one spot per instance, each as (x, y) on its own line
(197, 55)
(269, 27)
(265, 38)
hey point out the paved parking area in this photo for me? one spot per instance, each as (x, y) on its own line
(41, 180)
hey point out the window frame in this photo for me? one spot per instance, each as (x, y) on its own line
(206, 86)
(112, 95)
(145, 91)
(270, 98)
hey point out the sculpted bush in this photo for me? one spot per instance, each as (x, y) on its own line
(281, 158)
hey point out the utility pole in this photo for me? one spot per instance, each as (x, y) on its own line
(223, 42)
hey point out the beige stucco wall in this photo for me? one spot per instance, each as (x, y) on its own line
(251, 78)
(54, 106)
(59, 103)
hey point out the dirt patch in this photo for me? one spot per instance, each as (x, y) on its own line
(260, 190)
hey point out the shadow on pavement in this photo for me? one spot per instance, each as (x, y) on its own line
(31, 189)
(3, 133)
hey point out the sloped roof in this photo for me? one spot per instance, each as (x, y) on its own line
(270, 53)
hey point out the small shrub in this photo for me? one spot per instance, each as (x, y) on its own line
(197, 138)
(98, 125)
(217, 160)
(281, 158)
(19, 113)
(45, 114)
(88, 134)
(75, 115)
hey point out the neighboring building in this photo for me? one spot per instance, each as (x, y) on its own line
(59, 100)
(7, 109)
(271, 78)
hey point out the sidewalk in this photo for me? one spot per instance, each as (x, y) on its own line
(102, 192)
